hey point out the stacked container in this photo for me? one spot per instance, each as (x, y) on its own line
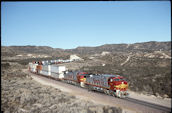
(46, 70)
(52, 70)
(32, 67)
(57, 71)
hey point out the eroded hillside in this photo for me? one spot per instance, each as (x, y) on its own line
(146, 66)
(21, 94)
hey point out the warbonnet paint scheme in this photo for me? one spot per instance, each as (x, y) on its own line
(114, 85)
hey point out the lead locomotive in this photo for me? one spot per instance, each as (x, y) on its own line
(114, 85)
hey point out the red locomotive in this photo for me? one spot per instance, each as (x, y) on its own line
(114, 85)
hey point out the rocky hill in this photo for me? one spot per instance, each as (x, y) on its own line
(21, 50)
(21, 94)
(146, 66)
(136, 47)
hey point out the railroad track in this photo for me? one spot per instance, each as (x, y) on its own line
(144, 103)
(163, 108)
(134, 104)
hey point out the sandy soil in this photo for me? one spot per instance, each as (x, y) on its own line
(151, 99)
(21, 94)
(127, 106)
(148, 98)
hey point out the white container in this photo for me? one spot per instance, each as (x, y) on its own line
(47, 68)
(55, 75)
(33, 67)
(61, 75)
(44, 72)
(58, 69)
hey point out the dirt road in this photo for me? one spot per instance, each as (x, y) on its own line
(99, 98)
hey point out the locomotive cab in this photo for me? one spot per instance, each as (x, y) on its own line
(119, 85)
(81, 77)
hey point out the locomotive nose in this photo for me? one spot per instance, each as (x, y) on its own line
(123, 85)
(125, 82)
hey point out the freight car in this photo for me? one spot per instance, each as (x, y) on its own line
(114, 85)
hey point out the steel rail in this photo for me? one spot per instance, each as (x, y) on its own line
(136, 101)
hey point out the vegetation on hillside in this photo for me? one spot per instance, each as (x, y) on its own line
(146, 75)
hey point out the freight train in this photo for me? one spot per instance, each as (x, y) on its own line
(114, 85)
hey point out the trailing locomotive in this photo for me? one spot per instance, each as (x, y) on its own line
(114, 85)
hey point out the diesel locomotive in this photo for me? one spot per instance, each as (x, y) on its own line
(114, 85)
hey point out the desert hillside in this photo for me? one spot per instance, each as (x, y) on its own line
(146, 66)
(21, 94)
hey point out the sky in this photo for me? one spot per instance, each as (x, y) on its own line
(68, 25)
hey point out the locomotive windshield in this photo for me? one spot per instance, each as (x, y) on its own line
(121, 79)
(84, 74)
(116, 79)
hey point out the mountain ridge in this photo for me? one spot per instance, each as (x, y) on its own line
(146, 66)
(86, 50)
